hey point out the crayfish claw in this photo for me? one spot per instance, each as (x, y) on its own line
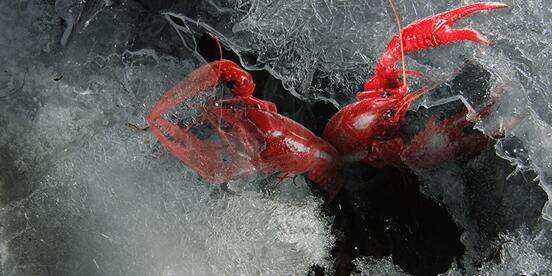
(456, 14)
(447, 34)
(453, 35)
(425, 34)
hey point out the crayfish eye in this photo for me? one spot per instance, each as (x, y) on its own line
(385, 94)
(388, 114)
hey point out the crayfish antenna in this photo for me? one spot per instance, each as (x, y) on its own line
(398, 21)
(218, 44)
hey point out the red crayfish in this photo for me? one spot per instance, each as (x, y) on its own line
(239, 135)
(246, 134)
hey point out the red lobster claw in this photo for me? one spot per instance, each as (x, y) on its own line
(423, 34)
(245, 134)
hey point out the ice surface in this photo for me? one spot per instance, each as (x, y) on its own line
(488, 205)
(371, 267)
(84, 191)
(519, 253)
(70, 11)
(520, 65)
(522, 254)
(114, 208)
(322, 49)
(522, 68)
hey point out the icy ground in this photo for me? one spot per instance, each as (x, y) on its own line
(84, 191)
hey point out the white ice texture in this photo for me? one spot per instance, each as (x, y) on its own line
(368, 266)
(83, 192)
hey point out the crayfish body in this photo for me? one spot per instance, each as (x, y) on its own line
(247, 134)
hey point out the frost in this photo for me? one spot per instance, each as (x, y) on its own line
(519, 253)
(521, 65)
(489, 204)
(372, 267)
(322, 49)
(131, 212)
(83, 190)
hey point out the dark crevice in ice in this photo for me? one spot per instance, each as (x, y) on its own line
(381, 212)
